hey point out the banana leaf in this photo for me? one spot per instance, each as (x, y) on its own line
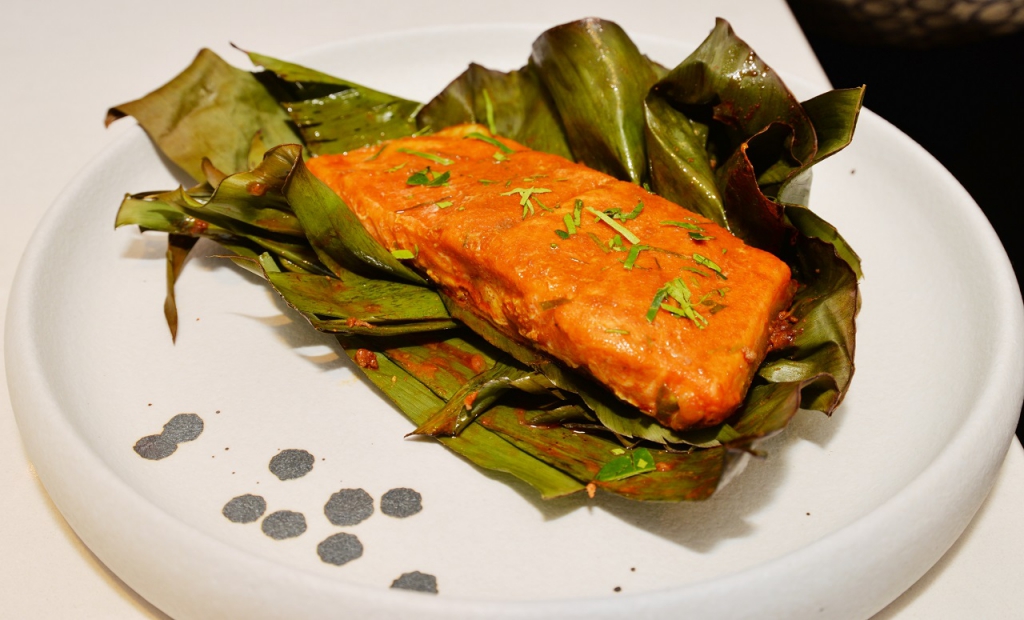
(211, 110)
(606, 127)
(719, 134)
(334, 115)
(513, 104)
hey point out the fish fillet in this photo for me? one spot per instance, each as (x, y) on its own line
(487, 236)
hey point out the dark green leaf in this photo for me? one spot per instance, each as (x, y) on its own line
(521, 107)
(598, 80)
(336, 115)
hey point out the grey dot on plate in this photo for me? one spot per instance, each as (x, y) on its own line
(284, 524)
(290, 464)
(183, 427)
(348, 507)
(339, 549)
(245, 508)
(155, 447)
(416, 580)
(401, 503)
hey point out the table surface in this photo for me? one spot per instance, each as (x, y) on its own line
(68, 61)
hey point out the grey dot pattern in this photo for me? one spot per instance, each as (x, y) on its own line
(349, 507)
(284, 524)
(182, 427)
(401, 503)
(291, 464)
(245, 508)
(421, 582)
(155, 447)
(339, 549)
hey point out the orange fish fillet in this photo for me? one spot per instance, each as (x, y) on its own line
(487, 237)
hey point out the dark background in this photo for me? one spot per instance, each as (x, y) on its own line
(958, 92)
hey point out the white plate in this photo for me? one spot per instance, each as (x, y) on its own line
(843, 515)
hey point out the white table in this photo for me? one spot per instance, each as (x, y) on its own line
(66, 62)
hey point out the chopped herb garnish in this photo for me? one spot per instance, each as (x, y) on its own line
(476, 135)
(426, 177)
(554, 246)
(677, 290)
(724, 250)
(615, 225)
(486, 181)
(632, 214)
(499, 156)
(622, 332)
(599, 243)
(443, 205)
(570, 227)
(715, 309)
(402, 254)
(634, 463)
(542, 205)
(563, 235)
(700, 236)
(525, 194)
(489, 112)
(616, 243)
(444, 161)
(634, 253)
(659, 297)
(377, 154)
(396, 168)
(696, 271)
(686, 225)
(617, 451)
(710, 264)
(577, 212)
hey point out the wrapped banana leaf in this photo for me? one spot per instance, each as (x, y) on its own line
(719, 134)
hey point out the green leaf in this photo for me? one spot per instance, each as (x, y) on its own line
(178, 248)
(680, 168)
(472, 399)
(598, 80)
(478, 445)
(353, 296)
(726, 87)
(520, 106)
(335, 115)
(335, 232)
(210, 110)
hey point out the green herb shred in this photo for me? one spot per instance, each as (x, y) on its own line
(402, 254)
(596, 240)
(476, 135)
(377, 154)
(629, 236)
(634, 253)
(427, 178)
(710, 264)
(444, 161)
(570, 227)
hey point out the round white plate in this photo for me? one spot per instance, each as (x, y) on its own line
(842, 515)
